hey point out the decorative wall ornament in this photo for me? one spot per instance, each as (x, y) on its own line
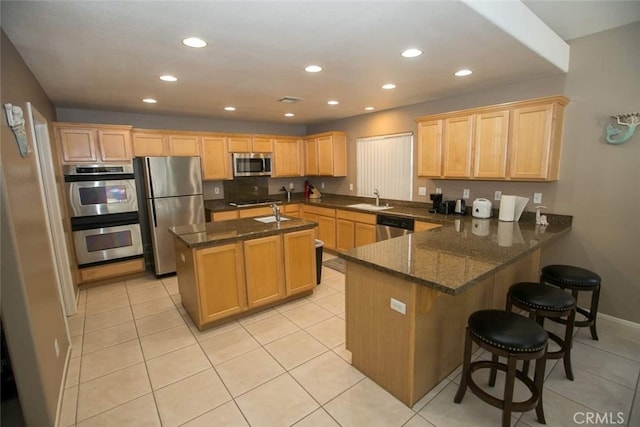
(618, 136)
(15, 118)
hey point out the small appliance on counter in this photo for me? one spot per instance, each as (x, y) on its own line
(481, 208)
(436, 199)
(461, 207)
(447, 207)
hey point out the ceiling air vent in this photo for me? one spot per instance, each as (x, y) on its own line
(290, 99)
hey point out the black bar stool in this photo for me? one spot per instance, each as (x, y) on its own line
(512, 336)
(577, 280)
(541, 302)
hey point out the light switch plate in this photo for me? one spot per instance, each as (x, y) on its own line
(398, 306)
(497, 195)
(350, 187)
(422, 191)
(537, 198)
(465, 193)
(322, 185)
(216, 190)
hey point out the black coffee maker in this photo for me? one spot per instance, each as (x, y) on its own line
(436, 200)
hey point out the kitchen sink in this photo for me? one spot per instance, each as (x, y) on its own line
(369, 207)
(269, 219)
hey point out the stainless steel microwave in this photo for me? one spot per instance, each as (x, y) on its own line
(251, 164)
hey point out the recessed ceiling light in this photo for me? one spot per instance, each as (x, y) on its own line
(411, 53)
(313, 69)
(168, 78)
(149, 100)
(289, 114)
(230, 108)
(333, 102)
(194, 42)
(463, 73)
(389, 86)
(369, 108)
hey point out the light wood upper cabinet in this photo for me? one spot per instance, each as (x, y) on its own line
(221, 281)
(264, 270)
(287, 158)
(430, 148)
(299, 261)
(534, 146)
(457, 147)
(490, 151)
(250, 144)
(216, 160)
(326, 154)
(184, 145)
(514, 141)
(81, 143)
(148, 143)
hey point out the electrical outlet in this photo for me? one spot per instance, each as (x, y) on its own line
(398, 306)
(422, 191)
(216, 190)
(290, 185)
(537, 198)
(57, 347)
(497, 195)
(350, 187)
(322, 185)
(438, 190)
(465, 193)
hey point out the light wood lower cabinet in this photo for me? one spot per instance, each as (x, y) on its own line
(326, 219)
(299, 261)
(222, 282)
(253, 212)
(108, 271)
(264, 270)
(224, 216)
(354, 229)
(292, 210)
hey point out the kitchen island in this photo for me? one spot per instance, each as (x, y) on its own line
(230, 269)
(408, 298)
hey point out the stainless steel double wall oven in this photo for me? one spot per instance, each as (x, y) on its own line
(104, 212)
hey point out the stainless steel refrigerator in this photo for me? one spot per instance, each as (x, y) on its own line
(173, 193)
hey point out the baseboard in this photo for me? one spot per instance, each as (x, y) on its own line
(64, 381)
(620, 321)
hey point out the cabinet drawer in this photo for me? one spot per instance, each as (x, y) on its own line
(249, 213)
(356, 216)
(224, 216)
(291, 208)
(319, 210)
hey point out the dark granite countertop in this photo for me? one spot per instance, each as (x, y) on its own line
(457, 255)
(217, 233)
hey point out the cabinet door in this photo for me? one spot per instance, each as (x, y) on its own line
(287, 158)
(292, 210)
(149, 144)
(430, 148)
(184, 145)
(239, 144)
(216, 160)
(115, 145)
(299, 261)
(221, 281)
(261, 144)
(311, 156)
(364, 234)
(253, 212)
(311, 217)
(457, 145)
(224, 216)
(78, 145)
(530, 143)
(327, 231)
(264, 270)
(345, 234)
(325, 155)
(490, 145)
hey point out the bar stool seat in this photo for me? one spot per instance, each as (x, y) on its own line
(541, 302)
(512, 336)
(576, 279)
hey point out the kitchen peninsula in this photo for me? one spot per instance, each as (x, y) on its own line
(408, 298)
(229, 269)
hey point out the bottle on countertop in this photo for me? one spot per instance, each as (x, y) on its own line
(306, 189)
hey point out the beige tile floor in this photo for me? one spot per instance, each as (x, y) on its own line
(138, 360)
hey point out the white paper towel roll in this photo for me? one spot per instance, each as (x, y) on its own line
(507, 208)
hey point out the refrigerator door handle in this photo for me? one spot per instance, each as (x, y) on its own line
(149, 179)
(153, 213)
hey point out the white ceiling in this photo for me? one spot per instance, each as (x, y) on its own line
(108, 55)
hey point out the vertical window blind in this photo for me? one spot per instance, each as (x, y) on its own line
(385, 163)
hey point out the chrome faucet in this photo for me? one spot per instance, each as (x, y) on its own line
(276, 211)
(377, 194)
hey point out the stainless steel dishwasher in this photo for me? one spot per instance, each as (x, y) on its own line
(389, 227)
